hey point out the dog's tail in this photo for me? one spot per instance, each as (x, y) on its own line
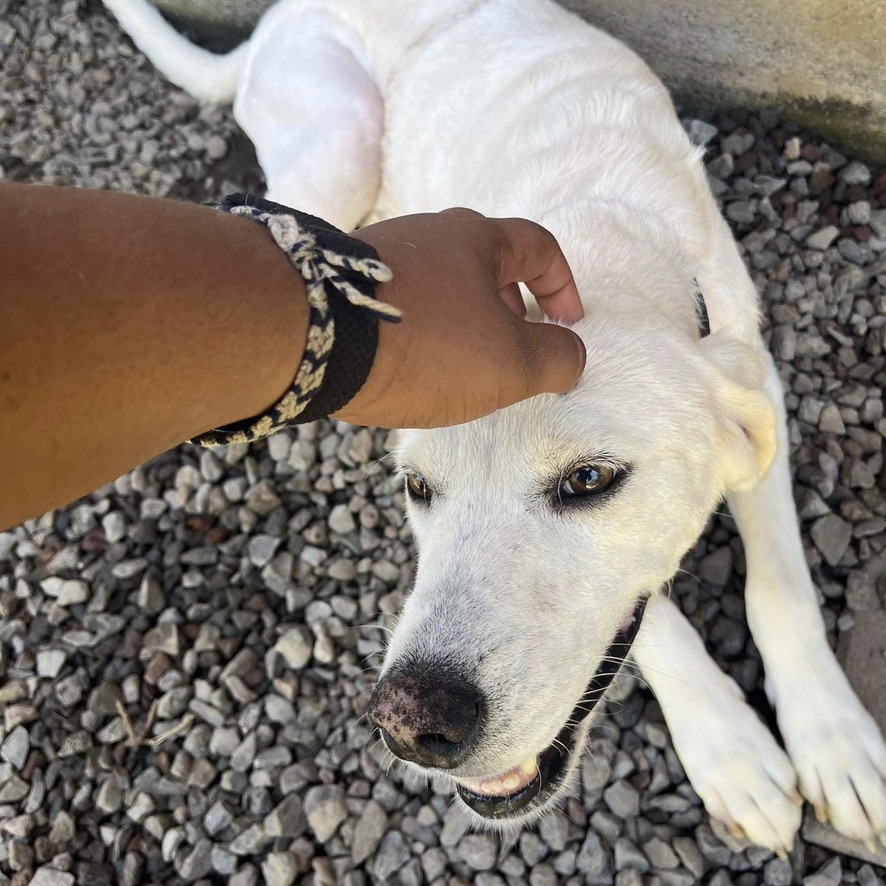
(206, 76)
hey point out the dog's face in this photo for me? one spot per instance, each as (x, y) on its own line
(541, 529)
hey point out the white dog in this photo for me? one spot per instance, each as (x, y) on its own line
(544, 528)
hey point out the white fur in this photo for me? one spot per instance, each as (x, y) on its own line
(365, 109)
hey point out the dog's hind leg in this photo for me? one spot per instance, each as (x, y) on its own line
(311, 108)
(835, 745)
(730, 757)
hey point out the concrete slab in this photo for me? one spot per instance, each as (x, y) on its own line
(813, 831)
(862, 652)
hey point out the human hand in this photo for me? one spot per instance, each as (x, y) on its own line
(463, 348)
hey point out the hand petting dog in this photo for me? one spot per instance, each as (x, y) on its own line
(462, 350)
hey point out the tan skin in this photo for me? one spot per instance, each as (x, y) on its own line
(129, 324)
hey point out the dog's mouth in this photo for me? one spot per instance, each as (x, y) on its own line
(515, 793)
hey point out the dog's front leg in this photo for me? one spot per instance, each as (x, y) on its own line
(733, 762)
(834, 744)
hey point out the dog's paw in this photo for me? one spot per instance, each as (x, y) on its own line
(735, 765)
(837, 751)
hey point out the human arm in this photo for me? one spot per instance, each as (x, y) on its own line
(129, 324)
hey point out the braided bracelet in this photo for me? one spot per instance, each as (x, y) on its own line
(340, 275)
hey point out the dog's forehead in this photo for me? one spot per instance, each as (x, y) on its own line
(628, 407)
(510, 440)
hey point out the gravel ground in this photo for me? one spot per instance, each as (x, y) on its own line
(186, 655)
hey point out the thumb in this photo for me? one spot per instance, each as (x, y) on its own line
(555, 359)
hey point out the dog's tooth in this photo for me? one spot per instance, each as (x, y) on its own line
(473, 784)
(506, 783)
(511, 782)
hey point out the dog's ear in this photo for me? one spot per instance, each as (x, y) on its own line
(746, 430)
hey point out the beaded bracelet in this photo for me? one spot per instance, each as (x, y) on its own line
(340, 275)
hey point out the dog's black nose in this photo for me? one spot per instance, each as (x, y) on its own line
(431, 719)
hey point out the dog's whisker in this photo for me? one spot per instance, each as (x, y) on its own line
(685, 572)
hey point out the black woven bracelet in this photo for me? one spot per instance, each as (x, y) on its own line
(340, 275)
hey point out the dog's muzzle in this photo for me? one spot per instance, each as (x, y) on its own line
(434, 718)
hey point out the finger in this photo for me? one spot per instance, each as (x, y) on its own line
(513, 298)
(552, 358)
(530, 254)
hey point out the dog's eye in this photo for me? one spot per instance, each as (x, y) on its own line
(587, 481)
(417, 487)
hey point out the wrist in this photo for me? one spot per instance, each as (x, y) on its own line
(340, 274)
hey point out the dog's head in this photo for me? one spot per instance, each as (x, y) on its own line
(541, 530)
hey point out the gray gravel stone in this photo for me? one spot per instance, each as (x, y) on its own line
(279, 869)
(777, 872)
(829, 874)
(72, 592)
(341, 519)
(16, 747)
(393, 852)
(710, 847)
(628, 855)
(287, 819)
(831, 536)
(716, 568)
(110, 796)
(250, 841)
(592, 859)
(855, 173)
(163, 638)
(830, 420)
(622, 799)
(478, 851)
(197, 863)
(50, 662)
(823, 238)
(49, 876)
(247, 875)
(262, 548)
(223, 862)
(295, 645)
(279, 710)
(690, 856)
(370, 829)
(660, 854)
(325, 809)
